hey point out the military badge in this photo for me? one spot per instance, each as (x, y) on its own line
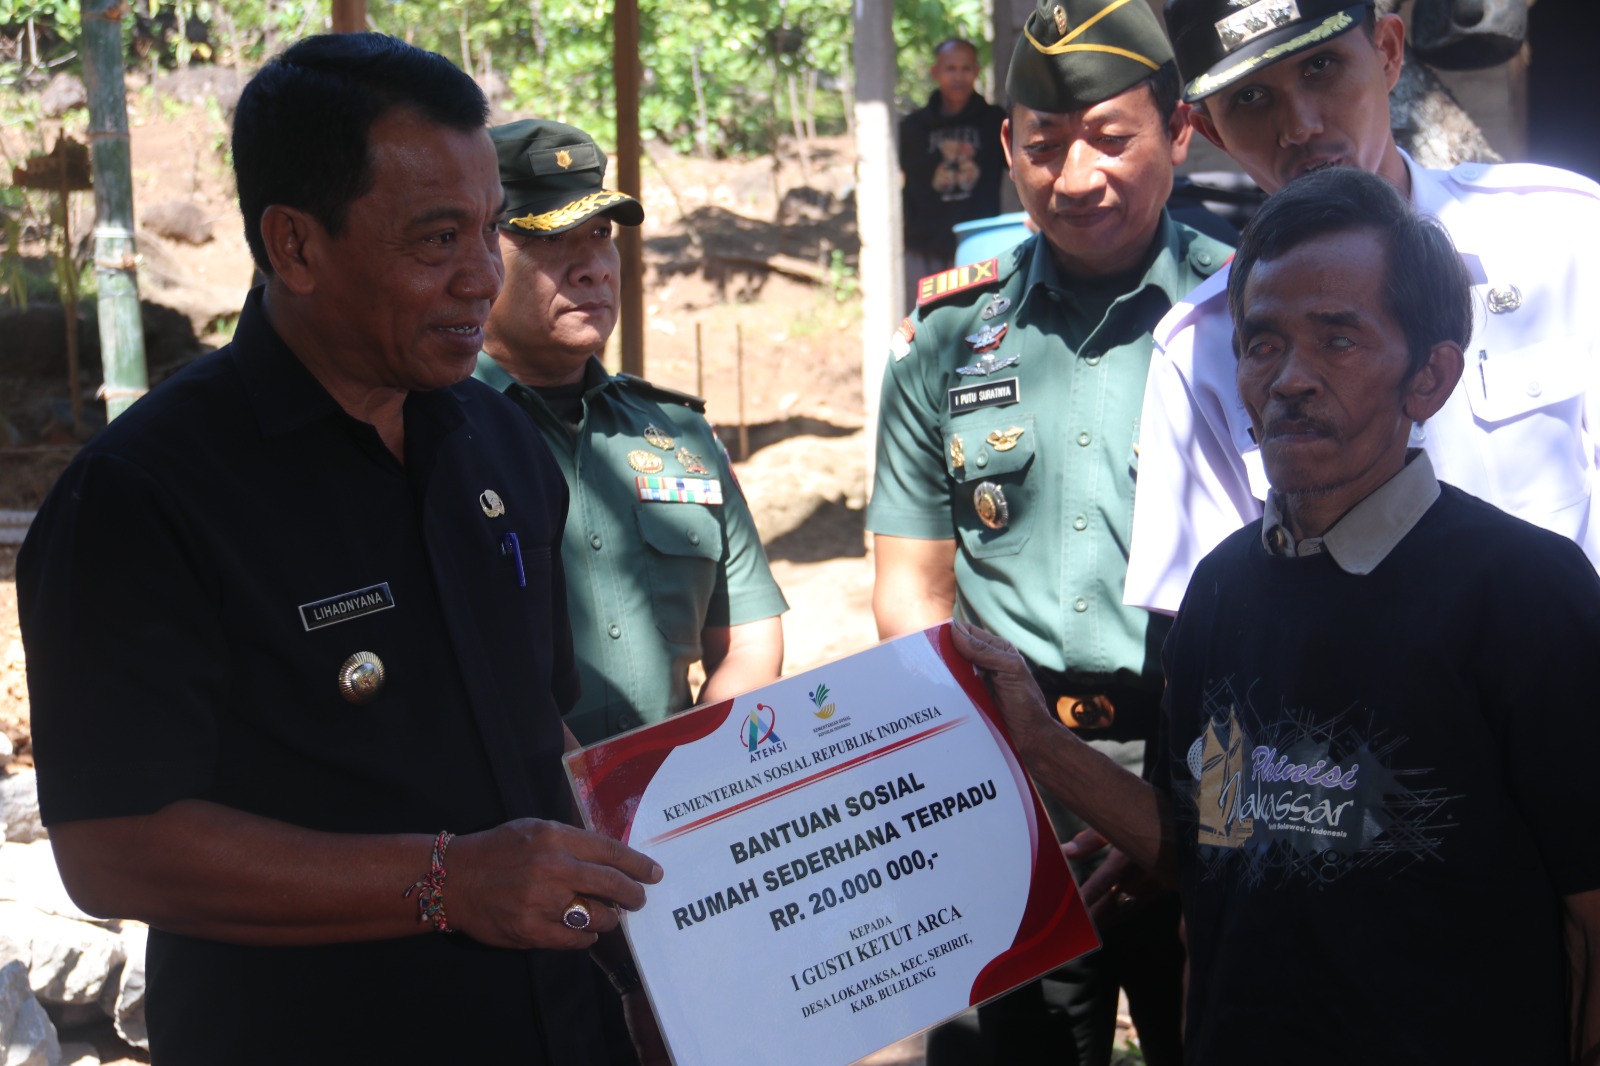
(900, 343)
(645, 462)
(997, 305)
(988, 365)
(658, 439)
(956, 279)
(988, 338)
(1059, 14)
(1502, 301)
(679, 490)
(1003, 440)
(563, 159)
(691, 463)
(491, 503)
(989, 500)
(958, 452)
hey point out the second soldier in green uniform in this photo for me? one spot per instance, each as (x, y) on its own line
(663, 563)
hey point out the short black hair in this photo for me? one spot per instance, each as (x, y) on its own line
(1164, 86)
(300, 130)
(961, 41)
(1426, 288)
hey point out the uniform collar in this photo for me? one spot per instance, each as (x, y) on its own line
(494, 375)
(1371, 529)
(286, 396)
(283, 393)
(1162, 266)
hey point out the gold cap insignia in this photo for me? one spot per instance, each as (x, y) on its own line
(1060, 15)
(563, 159)
(491, 503)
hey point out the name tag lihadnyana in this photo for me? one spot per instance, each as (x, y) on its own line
(345, 606)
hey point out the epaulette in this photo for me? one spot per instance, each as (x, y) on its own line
(937, 287)
(1522, 177)
(1207, 255)
(659, 392)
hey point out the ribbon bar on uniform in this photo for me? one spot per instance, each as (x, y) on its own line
(655, 489)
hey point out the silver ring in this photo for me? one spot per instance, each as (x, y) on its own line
(576, 916)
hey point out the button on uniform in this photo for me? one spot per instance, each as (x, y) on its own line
(594, 541)
(1080, 523)
(1080, 605)
(1084, 439)
(615, 631)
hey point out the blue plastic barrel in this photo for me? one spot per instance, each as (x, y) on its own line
(986, 238)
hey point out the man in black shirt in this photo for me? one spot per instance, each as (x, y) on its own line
(299, 615)
(951, 156)
(1372, 789)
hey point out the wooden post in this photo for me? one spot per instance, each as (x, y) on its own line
(115, 265)
(350, 16)
(630, 242)
(744, 430)
(877, 199)
(699, 364)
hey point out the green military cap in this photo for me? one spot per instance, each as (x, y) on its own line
(1075, 53)
(1219, 42)
(554, 178)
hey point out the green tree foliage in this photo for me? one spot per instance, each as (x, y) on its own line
(724, 76)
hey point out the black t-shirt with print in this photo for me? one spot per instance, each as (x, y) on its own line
(1382, 788)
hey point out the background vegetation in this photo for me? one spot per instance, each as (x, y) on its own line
(721, 77)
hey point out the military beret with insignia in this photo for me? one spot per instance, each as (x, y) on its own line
(554, 177)
(1219, 42)
(1075, 53)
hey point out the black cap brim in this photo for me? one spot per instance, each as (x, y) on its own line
(1269, 48)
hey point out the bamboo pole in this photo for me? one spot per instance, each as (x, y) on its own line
(115, 262)
(69, 295)
(630, 242)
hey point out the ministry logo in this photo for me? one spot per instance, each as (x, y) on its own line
(760, 729)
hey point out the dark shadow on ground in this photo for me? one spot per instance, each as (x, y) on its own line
(832, 531)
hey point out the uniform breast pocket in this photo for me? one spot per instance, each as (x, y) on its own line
(1531, 401)
(682, 550)
(994, 481)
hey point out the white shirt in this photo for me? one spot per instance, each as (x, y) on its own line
(1518, 431)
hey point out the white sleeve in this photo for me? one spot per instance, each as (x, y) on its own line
(1193, 488)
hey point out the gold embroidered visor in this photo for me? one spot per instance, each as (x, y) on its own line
(568, 214)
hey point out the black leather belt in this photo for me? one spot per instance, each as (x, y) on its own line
(1110, 712)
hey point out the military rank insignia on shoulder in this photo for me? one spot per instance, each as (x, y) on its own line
(900, 342)
(658, 392)
(935, 287)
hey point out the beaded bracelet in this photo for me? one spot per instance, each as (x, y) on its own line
(430, 889)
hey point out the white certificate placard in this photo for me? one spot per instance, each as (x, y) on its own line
(851, 855)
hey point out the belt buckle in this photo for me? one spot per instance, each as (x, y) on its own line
(1086, 712)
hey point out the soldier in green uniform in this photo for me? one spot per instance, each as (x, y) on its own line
(664, 566)
(1008, 448)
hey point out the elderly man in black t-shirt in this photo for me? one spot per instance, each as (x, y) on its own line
(1373, 790)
